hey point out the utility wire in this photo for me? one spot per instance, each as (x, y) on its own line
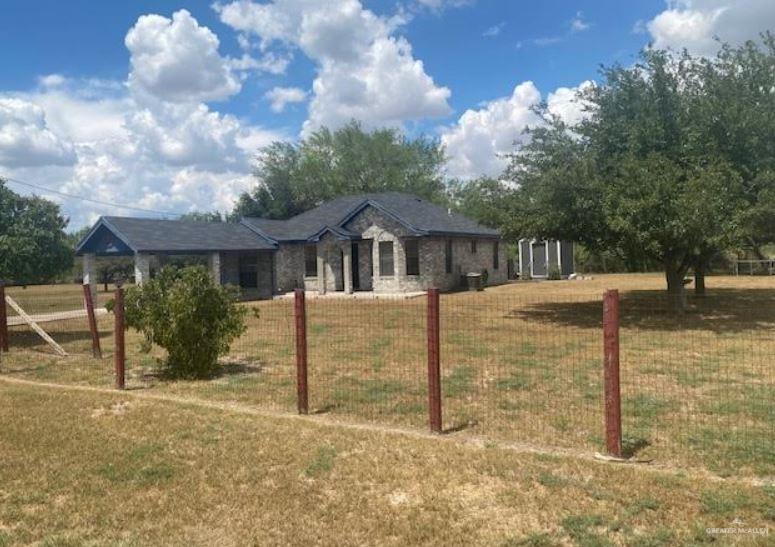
(96, 201)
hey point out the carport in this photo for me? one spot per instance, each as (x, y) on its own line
(235, 254)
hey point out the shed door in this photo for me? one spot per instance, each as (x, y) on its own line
(539, 259)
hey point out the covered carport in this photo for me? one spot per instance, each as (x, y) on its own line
(235, 254)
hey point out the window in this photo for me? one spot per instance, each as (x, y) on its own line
(412, 247)
(311, 260)
(448, 256)
(248, 271)
(386, 258)
(473, 246)
(495, 257)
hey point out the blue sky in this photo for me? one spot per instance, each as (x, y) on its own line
(144, 105)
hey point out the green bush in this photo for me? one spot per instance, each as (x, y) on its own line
(183, 311)
(554, 273)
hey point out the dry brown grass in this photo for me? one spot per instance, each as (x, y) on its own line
(114, 469)
(521, 361)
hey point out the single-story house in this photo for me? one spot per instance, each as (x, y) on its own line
(538, 257)
(387, 243)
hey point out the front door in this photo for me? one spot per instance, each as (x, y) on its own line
(355, 267)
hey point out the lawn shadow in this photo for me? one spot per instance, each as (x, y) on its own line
(720, 311)
(26, 338)
(459, 427)
(324, 409)
(138, 387)
(231, 367)
(631, 446)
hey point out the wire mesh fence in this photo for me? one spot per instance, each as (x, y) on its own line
(510, 372)
(700, 385)
(367, 359)
(697, 387)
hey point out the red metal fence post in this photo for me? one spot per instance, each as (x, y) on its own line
(434, 362)
(95, 335)
(300, 314)
(613, 403)
(3, 320)
(119, 356)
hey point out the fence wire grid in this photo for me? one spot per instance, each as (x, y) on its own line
(697, 388)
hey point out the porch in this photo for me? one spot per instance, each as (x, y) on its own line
(233, 254)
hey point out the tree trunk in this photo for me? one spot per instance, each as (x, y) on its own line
(676, 291)
(699, 280)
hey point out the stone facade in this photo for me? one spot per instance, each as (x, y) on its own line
(334, 259)
(235, 268)
(339, 270)
(289, 268)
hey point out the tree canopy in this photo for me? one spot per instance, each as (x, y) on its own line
(201, 216)
(33, 244)
(661, 169)
(295, 177)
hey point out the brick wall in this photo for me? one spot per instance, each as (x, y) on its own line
(378, 227)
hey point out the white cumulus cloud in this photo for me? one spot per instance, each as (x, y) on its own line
(177, 60)
(364, 71)
(480, 140)
(694, 24)
(279, 97)
(26, 139)
(151, 143)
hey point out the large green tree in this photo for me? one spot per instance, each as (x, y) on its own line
(734, 118)
(33, 244)
(634, 175)
(295, 177)
(484, 199)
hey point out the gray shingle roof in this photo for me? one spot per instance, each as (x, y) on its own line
(148, 235)
(421, 217)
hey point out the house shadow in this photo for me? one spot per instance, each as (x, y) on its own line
(720, 311)
(233, 367)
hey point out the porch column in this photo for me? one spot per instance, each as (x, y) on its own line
(321, 270)
(142, 268)
(347, 269)
(89, 274)
(214, 265)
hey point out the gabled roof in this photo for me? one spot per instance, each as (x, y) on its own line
(173, 236)
(418, 216)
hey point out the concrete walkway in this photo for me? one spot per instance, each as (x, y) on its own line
(15, 320)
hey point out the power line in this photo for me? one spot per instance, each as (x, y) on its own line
(89, 200)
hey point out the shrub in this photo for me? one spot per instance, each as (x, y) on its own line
(187, 314)
(554, 273)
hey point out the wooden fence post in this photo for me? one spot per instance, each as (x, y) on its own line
(300, 315)
(118, 336)
(613, 403)
(434, 362)
(95, 335)
(3, 320)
